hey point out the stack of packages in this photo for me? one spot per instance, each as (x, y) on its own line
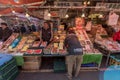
(85, 41)
(109, 44)
(8, 42)
(28, 43)
(58, 44)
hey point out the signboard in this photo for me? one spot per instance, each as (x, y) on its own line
(67, 4)
(107, 6)
(113, 19)
(54, 13)
(46, 17)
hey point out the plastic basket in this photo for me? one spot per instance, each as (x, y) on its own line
(59, 66)
(7, 66)
(89, 65)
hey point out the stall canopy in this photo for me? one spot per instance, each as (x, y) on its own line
(7, 6)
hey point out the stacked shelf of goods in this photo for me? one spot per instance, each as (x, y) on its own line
(16, 44)
(56, 47)
(4, 46)
(103, 40)
(28, 43)
(11, 47)
(9, 70)
(87, 46)
(109, 44)
(85, 42)
(36, 48)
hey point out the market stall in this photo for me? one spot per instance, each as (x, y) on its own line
(30, 45)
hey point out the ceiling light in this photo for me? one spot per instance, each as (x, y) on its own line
(13, 11)
(49, 14)
(100, 16)
(85, 3)
(88, 2)
(16, 1)
(16, 18)
(27, 15)
(66, 16)
(83, 15)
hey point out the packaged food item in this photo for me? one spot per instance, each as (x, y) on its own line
(25, 47)
(54, 51)
(37, 51)
(29, 51)
(36, 44)
(43, 44)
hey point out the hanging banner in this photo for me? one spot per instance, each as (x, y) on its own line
(113, 18)
(67, 4)
(107, 6)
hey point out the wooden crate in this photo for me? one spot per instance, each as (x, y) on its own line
(32, 65)
(32, 58)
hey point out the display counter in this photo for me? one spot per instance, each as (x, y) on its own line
(87, 58)
(30, 45)
(107, 52)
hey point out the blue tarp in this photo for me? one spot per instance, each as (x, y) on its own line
(5, 58)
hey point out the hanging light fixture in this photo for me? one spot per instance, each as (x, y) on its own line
(88, 2)
(16, 18)
(101, 16)
(66, 16)
(83, 15)
(16, 1)
(27, 15)
(49, 14)
(13, 11)
(85, 3)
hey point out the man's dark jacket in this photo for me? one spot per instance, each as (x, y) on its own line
(5, 34)
(73, 45)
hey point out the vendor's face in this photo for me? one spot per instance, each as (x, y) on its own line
(46, 26)
(78, 22)
(3, 26)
